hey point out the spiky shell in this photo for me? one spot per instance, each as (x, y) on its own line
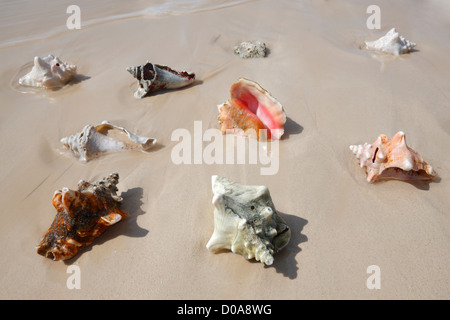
(392, 159)
(48, 72)
(82, 215)
(246, 222)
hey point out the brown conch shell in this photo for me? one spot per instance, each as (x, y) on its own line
(152, 77)
(392, 159)
(82, 216)
(252, 111)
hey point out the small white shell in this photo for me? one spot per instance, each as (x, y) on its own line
(93, 141)
(391, 42)
(246, 222)
(48, 72)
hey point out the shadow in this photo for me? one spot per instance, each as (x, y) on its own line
(284, 261)
(267, 52)
(128, 227)
(291, 127)
(156, 147)
(165, 91)
(423, 184)
(420, 179)
(78, 78)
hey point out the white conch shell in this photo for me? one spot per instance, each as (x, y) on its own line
(93, 141)
(246, 222)
(152, 77)
(391, 42)
(392, 159)
(48, 72)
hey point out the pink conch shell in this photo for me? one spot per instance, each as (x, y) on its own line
(392, 159)
(82, 215)
(251, 109)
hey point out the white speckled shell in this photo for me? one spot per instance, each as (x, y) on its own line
(392, 159)
(94, 141)
(246, 222)
(48, 72)
(392, 43)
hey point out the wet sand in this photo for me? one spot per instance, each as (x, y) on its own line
(334, 95)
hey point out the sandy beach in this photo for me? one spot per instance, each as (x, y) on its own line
(334, 93)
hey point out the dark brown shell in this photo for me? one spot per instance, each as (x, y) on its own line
(81, 216)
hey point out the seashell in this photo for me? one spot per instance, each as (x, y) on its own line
(251, 109)
(94, 141)
(48, 72)
(82, 215)
(246, 222)
(153, 77)
(392, 159)
(391, 42)
(251, 49)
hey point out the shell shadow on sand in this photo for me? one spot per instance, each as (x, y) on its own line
(128, 227)
(291, 127)
(285, 261)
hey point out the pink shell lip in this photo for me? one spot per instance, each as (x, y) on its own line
(392, 159)
(257, 108)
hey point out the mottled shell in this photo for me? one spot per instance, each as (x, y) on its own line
(82, 215)
(153, 77)
(246, 222)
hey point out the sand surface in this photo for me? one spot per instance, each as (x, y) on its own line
(334, 94)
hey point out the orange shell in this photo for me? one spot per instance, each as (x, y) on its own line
(81, 216)
(392, 159)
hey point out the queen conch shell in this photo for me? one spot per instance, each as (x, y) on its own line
(48, 72)
(82, 215)
(252, 111)
(94, 141)
(392, 43)
(392, 159)
(246, 222)
(153, 77)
